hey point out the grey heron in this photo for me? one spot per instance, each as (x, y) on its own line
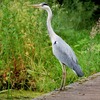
(62, 51)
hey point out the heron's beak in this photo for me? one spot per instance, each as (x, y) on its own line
(35, 6)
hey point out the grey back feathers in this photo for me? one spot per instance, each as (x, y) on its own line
(66, 55)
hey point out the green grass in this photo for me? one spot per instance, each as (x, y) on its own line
(19, 94)
(26, 59)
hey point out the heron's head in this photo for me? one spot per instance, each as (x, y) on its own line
(41, 5)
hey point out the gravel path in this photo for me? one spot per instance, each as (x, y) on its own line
(87, 89)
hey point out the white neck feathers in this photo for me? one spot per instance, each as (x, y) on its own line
(49, 27)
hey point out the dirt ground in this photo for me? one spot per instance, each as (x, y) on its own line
(87, 89)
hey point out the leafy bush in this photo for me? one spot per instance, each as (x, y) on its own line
(17, 36)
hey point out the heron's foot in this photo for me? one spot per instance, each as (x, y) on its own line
(60, 89)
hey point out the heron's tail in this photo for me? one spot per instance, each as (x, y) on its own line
(78, 70)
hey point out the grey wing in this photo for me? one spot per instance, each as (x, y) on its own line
(65, 55)
(63, 52)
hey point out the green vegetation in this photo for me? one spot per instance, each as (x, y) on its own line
(21, 95)
(26, 59)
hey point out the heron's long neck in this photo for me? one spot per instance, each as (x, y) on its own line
(49, 27)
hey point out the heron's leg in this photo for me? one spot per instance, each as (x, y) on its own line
(63, 77)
